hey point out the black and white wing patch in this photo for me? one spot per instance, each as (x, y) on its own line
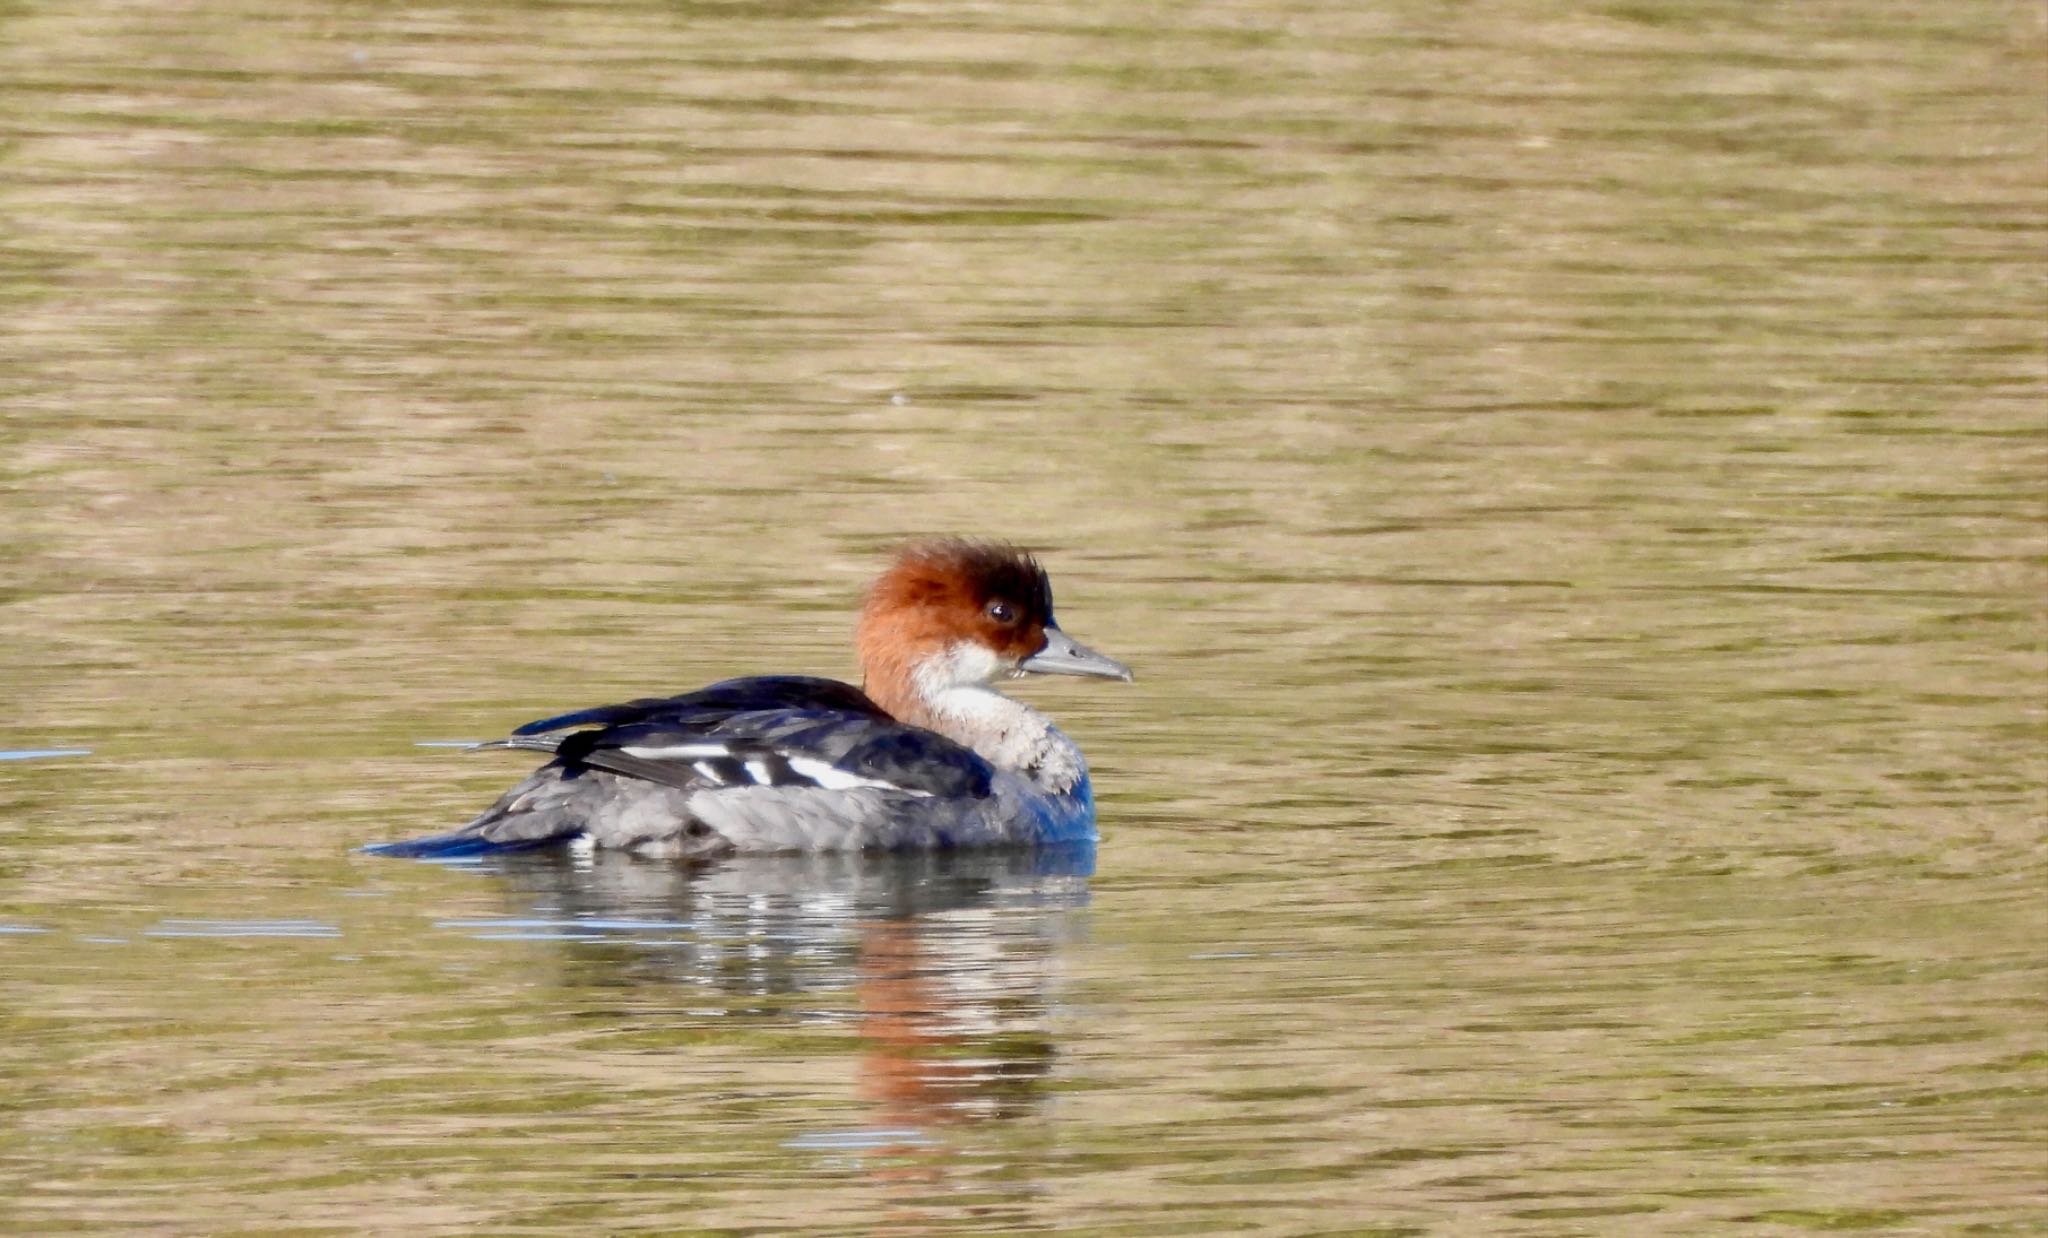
(782, 731)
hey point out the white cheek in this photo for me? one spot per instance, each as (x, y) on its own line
(965, 664)
(979, 663)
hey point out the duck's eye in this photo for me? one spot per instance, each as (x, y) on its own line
(1002, 612)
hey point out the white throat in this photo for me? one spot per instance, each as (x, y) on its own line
(955, 689)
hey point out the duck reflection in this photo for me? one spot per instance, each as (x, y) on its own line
(942, 964)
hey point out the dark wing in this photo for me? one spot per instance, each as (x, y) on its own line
(769, 731)
(728, 696)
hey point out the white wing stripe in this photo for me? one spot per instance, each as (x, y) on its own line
(832, 778)
(678, 752)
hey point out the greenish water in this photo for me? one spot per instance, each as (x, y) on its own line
(1570, 480)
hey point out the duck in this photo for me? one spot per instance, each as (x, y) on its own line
(927, 754)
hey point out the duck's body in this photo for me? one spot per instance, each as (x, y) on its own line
(929, 755)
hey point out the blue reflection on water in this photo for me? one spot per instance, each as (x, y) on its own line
(243, 928)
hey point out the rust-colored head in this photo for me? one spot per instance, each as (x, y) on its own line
(953, 614)
(940, 595)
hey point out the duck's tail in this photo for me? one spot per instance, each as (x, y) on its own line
(460, 845)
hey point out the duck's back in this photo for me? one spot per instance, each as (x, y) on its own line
(770, 763)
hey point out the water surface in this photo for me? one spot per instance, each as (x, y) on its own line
(1569, 480)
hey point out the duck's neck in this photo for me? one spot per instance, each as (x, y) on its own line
(1006, 733)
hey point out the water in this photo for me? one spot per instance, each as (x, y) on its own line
(1570, 481)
